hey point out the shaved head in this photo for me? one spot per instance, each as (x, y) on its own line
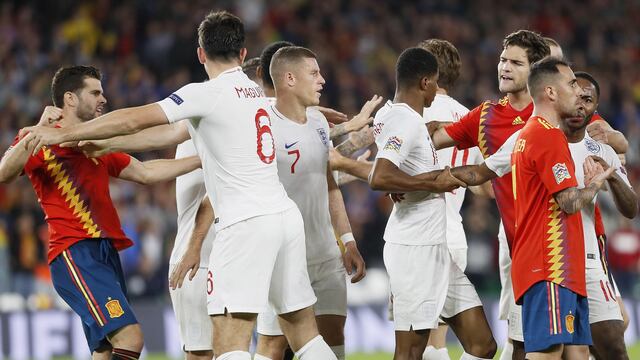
(286, 59)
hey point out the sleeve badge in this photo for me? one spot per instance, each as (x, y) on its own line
(393, 143)
(560, 172)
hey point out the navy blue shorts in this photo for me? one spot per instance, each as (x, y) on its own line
(552, 315)
(88, 276)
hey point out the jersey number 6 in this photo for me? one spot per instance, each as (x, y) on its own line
(264, 137)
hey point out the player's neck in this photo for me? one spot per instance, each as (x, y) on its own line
(292, 109)
(519, 100)
(442, 91)
(546, 113)
(69, 118)
(574, 135)
(410, 98)
(215, 68)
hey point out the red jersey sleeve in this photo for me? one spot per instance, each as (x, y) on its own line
(595, 118)
(552, 160)
(116, 162)
(465, 131)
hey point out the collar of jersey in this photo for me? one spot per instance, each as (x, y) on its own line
(408, 108)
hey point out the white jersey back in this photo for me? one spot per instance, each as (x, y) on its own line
(229, 114)
(302, 151)
(190, 190)
(447, 109)
(403, 139)
(579, 152)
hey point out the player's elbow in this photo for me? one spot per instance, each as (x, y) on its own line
(630, 212)
(376, 181)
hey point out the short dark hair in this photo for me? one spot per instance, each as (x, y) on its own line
(221, 35)
(542, 71)
(533, 43)
(414, 64)
(71, 79)
(448, 60)
(265, 60)
(289, 54)
(589, 78)
(250, 66)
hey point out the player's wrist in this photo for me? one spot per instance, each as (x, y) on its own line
(348, 238)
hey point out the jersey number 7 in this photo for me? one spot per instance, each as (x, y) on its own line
(297, 154)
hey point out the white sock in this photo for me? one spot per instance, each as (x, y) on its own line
(507, 351)
(431, 353)
(466, 356)
(316, 349)
(235, 355)
(257, 356)
(339, 351)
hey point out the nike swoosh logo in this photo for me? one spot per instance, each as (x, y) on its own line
(286, 146)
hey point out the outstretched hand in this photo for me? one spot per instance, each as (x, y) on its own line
(446, 182)
(595, 173)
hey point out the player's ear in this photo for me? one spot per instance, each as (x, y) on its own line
(259, 72)
(424, 83)
(70, 99)
(243, 54)
(290, 78)
(551, 92)
(202, 56)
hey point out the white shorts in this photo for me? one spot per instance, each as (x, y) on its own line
(418, 284)
(329, 283)
(190, 306)
(603, 304)
(461, 294)
(259, 262)
(459, 257)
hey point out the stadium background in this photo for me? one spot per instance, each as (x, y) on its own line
(146, 49)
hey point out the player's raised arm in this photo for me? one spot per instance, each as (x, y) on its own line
(359, 121)
(118, 122)
(154, 138)
(624, 196)
(14, 160)
(572, 200)
(154, 171)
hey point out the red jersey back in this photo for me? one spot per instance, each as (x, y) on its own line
(488, 126)
(549, 243)
(73, 191)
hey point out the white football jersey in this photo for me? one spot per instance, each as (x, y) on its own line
(403, 139)
(447, 109)
(229, 114)
(302, 151)
(190, 190)
(579, 152)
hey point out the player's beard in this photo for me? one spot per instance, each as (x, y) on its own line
(85, 113)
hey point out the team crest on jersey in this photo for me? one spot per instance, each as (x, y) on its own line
(592, 146)
(394, 143)
(560, 172)
(568, 321)
(323, 136)
(114, 308)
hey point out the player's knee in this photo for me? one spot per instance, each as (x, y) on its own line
(485, 349)
(129, 337)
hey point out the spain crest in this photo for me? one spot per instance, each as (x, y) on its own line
(114, 308)
(569, 319)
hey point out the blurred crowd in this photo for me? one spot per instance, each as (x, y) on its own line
(147, 48)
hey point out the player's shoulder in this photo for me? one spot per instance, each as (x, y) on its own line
(316, 116)
(445, 108)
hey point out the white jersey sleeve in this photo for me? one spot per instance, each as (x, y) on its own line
(192, 101)
(397, 138)
(500, 161)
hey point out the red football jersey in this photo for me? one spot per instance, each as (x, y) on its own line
(549, 243)
(488, 126)
(73, 191)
